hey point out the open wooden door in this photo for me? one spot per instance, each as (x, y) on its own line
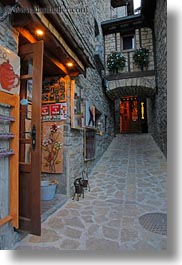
(30, 137)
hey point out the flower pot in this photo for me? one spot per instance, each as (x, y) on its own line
(48, 190)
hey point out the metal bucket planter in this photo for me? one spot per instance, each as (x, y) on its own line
(48, 189)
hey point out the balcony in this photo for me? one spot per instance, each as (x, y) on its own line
(132, 80)
(126, 3)
(119, 12)
(131, 69)
(122, 11)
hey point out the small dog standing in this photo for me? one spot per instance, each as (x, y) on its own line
(81, 184)
(78, 183)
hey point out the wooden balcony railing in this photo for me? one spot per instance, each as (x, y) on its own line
(131, 69)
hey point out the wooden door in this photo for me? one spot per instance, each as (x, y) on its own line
(30, 137)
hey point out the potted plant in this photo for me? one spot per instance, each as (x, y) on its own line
(141, 57)
(115, 62)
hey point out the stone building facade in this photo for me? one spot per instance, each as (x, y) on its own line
(8, 36)
(131, 81)
(82, 20)
(145, 85)
(159, 104)
(113, 42)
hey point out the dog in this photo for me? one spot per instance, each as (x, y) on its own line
(79, 190)
(81, 184)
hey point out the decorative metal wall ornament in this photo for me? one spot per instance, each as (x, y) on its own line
(6, 11)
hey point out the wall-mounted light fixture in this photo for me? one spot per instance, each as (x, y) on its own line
(99, 125)
(142, 111)
(39, 32)
(69, 64)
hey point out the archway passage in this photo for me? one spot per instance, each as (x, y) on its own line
(133, 115)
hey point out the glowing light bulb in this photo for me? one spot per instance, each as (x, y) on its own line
(70, 64)
(39, 32)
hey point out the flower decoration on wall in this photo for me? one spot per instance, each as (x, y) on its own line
(116, 61)
(52, 147)
(141, 57)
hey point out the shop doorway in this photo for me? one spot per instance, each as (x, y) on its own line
(45, 50)
(33, 100)
(43, 86)
(133, 115)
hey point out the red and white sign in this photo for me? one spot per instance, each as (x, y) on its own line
(54, 109)
(45, 110)
(54, 112)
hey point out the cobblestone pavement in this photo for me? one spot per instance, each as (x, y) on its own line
(128, 182)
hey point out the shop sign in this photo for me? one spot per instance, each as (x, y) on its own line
(45, 113)
(9, 71)
(54, 112)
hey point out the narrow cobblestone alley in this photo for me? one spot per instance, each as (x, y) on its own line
(129, 181)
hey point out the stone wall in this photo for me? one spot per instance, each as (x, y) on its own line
(74, 163)
(80, 18)
(8, 36)
(159, 103)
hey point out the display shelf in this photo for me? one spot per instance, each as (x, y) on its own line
(9, 140)
(6, 136)
(6, 118)
(6, 152)
(53, 91)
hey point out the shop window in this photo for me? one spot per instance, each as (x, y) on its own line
(77, 106)
(83, 112)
